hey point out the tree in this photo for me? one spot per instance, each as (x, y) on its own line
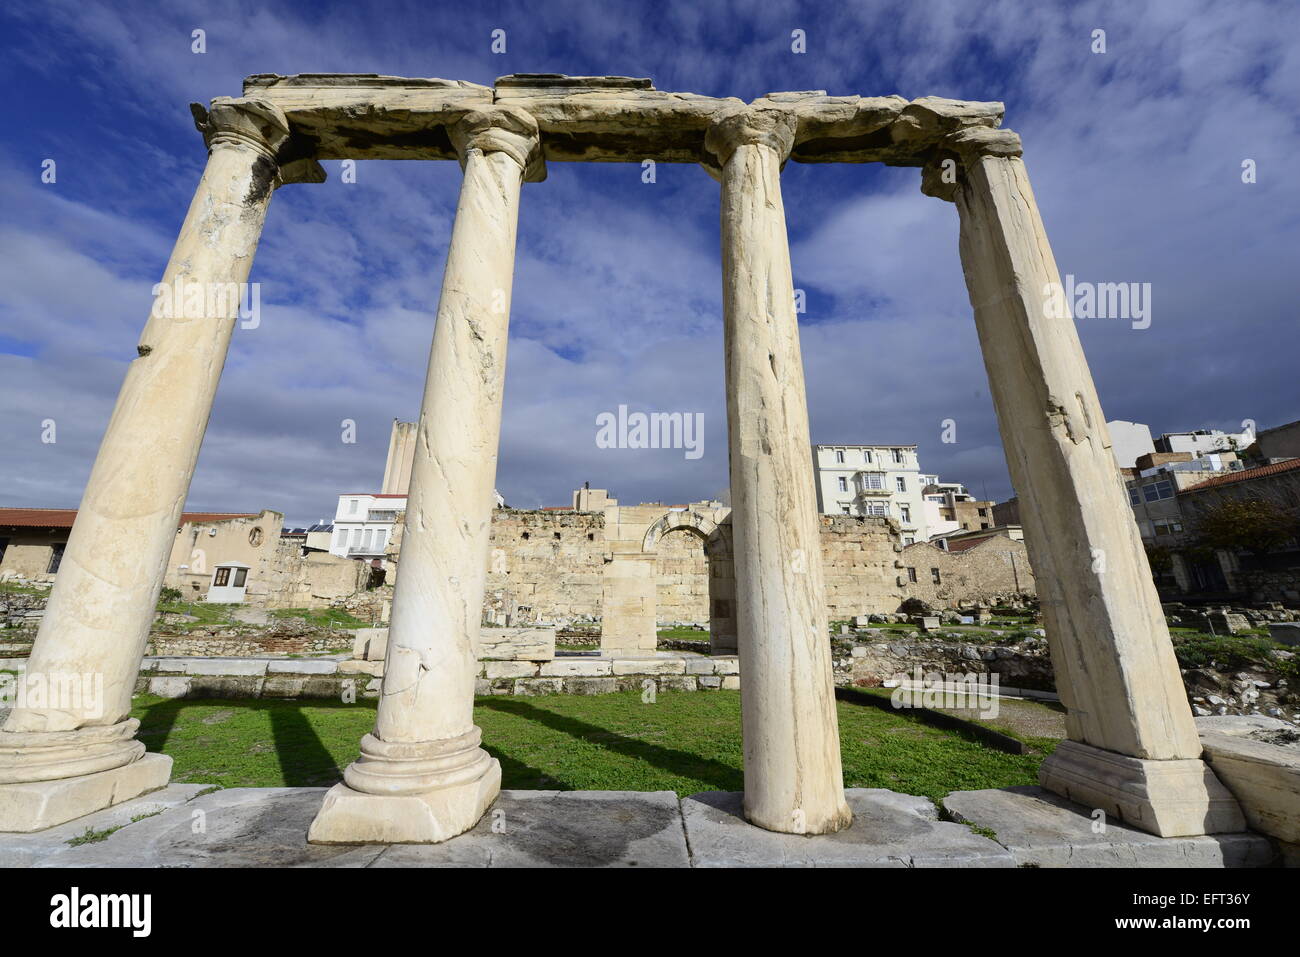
(1253, 524)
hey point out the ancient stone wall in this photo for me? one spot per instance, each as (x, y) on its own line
(681, 578)
(858, 561)
(544, 566)
(987, 573)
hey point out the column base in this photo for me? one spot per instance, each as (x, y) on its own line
(28, 806)
(427, 817)
(1177, 798)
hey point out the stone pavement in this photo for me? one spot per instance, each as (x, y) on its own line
(187, 825)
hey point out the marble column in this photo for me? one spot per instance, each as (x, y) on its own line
(69, 748)
(793, 778)
(1133, 749)
(422, 777)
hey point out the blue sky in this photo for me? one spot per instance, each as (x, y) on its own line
(1135, 155)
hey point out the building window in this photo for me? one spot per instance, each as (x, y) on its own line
(866, 456)
(839, 456)
(906, 514)
(983, 512)
(1158, 490)
(909, 540)
(557, 536)
(222, 578)
(354, 506)
(898, 456)
(844, 484)
(911, 574)
(934, 576)
(984, 524)
(56, 558)
(241, 576)
(900, 483)
(874, 480)
(877, 508)
(1133, 497)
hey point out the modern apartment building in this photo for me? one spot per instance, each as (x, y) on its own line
(883, 480)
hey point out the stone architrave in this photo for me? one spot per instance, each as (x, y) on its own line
(421, 776)
(793, 778)
(1133, 748)
(73, 750)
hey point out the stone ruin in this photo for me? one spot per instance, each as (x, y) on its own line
(421, 776)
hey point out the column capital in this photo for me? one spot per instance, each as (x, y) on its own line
(748, 126)
(955, 154)
(261, 126)
(501, 129)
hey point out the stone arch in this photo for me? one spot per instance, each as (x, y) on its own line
(719, 564)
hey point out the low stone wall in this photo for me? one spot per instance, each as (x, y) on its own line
(247, 645)
(875, 657)
(598, 675)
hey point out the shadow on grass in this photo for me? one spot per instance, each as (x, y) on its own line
(720, 776)
(304, 759)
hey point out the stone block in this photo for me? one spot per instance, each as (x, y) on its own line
(577, 667)
(302, 666)
(1264, 777)
(726, 665)
(649, 666)
(36, 805)
(1042, 829)
(516, 644)
(590, 685)
(370, 644)
(170, 686)
(373, 668)
(538, 686)
(731, 682)
(888, 830)
(225, 686)
(223, 666)
(676, 682)
(509, 669)
(710, 682)
(1172, 798)
(699, 666)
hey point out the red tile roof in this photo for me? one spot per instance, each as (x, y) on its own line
(63, 517)
(1244, 476)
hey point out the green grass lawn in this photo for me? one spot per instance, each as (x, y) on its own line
(688, 634)
(684, 742)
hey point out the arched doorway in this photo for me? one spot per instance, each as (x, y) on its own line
(695, 577)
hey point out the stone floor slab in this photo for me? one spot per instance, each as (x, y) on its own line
(237, 827)
(25, 850)
(888, 830)
(562, 829)
(1042, 829)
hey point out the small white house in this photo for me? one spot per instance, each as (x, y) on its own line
(229, 581)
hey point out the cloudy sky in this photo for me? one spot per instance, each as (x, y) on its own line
(1135, 153)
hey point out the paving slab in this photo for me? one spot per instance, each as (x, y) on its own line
(28, 850)
(1042, 829)
(237, 827)
(562, 829)
(888, 830)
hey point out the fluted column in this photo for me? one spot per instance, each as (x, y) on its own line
(421, 776)
(1133, 749)
(793, 779)
(71, 749)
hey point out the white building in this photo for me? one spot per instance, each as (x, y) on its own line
(363, 524)
(1129, 441)
(1204, 441)
(881, 480)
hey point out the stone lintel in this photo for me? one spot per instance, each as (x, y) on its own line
(600, 119)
